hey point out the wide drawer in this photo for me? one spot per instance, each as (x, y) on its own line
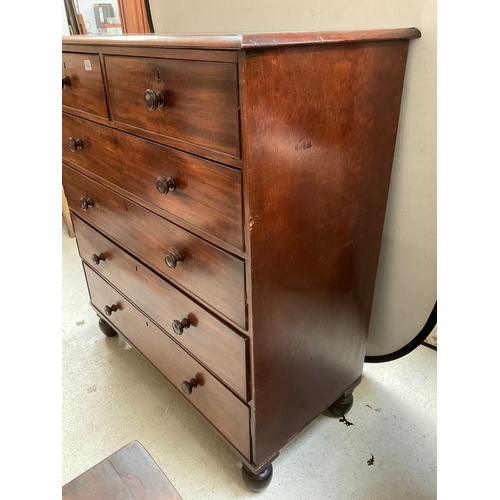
(214, 344)
(207, 272)
(222, 408)
(83, 87)
(195, 101)
(204, 194)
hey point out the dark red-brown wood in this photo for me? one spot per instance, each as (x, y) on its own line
(128, 474)
(83, 87)
(214, 344)
(249, 40)
(325, 119)
(207, 195)
(214, 276)
(200, 99)
(219, 406)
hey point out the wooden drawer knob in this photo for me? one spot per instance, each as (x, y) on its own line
(86, 203)
(153, 99)
(66, 81)
(96, 258)
(75, 144)
(188, 387)
(165, 185)
(109, 310)
(172, 259)
(179, 326)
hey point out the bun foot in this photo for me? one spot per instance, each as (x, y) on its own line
(342, 405)
(257, 482)
(106, 328)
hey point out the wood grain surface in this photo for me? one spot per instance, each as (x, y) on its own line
(217, 404)
(247, 40)
(201, 99)
(207, 195)
(213, 276)
(317, 189)
(128, 474)
(218, 347)
(86, 88)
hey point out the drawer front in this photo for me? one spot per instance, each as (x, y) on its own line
(84, 88)
(222, 408)
(211, 274)
(205, 194)
(200, 99)
(214, 344)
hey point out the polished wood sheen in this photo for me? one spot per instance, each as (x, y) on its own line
(128, 474)
(206, 195)
(218, 347)
(84, 88)
(201, 99)
(317, 191)
(294, 135)
(212, 275)
(224, 410)
(231, 41)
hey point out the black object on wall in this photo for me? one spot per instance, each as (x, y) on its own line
(148, 14)
(419, 338)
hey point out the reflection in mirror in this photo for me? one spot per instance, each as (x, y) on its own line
(114, 17)
(86, 17)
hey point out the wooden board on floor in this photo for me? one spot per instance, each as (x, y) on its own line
(128, 474)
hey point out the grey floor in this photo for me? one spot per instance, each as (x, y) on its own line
(112, 396)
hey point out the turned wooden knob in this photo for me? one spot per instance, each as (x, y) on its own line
(86, 203)
(172, 259)
(75, 144)
(179, 326)
(188, 387)
(96, 258)
(66, 81)
(153, 99)
(109, 310)
(165, 185)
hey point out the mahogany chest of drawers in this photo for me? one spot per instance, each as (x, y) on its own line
(228, 195)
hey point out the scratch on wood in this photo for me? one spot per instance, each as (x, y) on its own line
(304, 144)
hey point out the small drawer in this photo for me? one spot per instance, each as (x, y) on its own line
(200, 192)
(214, 276)
(214, 344)
(222, 408)
(82, 86)
(194, 101)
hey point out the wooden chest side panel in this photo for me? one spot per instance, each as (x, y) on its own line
(318, 137)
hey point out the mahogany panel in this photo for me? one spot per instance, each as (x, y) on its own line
(317, 189)
(200, 99)
(217, 404)
(128, 474)
(214, 344)
(83, 87)
(206, 195)
(212, 275)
